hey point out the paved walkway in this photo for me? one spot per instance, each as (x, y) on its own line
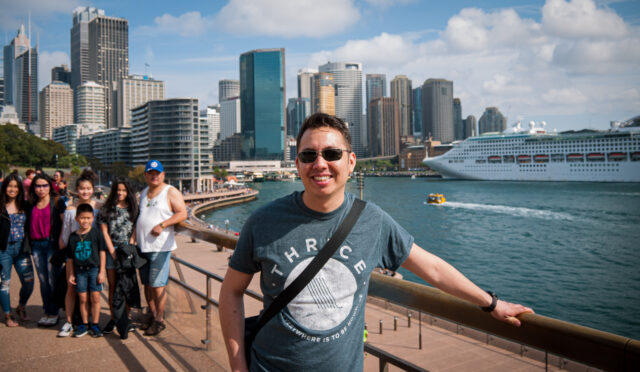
(179, 347)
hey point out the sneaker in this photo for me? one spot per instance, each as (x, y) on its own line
(95, 331)
(52, 321)
(155, 329)
(43, 321)
(109, 327)
(66, 330)
(80, 331)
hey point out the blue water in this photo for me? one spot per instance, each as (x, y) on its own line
(569, 250)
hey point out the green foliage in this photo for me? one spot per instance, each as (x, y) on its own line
(220, 173)
(71, 160)
(20, 148)
(75, 171)
(119, 169)
(137, 174)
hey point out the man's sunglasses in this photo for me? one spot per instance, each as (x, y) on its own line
(309, 156)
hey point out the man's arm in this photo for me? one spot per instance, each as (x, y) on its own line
(232, 316)
(442, 275)
(176, 202)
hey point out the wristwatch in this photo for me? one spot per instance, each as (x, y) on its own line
(494, 302)
(162, 225)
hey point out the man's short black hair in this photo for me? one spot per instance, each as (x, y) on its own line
(84, 207)
(321, 120)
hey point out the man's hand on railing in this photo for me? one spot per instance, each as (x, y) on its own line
(507, 312)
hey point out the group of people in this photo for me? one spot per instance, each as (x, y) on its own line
(74, 245)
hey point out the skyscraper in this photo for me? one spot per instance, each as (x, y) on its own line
(262, 104)
(458, 129)
(469, 126)
(212, 116)
(21, 78)
(91, 100)
(323, 93)
(109, 58)
(347, 77)
(401, 92)
(1, 91)
(416, 109)
(492, 120)
(230, 122)
(80, 47)
(228, 88)
(56, 107)
(305, 83)
(384, 127)
(133, 91)
(61, 74)
(297, 110)
(437, 110)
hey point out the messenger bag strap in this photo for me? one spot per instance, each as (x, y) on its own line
(314, 267)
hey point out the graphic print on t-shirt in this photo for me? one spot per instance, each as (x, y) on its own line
(327, 300)
(83, 250)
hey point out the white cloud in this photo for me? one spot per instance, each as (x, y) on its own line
(186, 25)
(502, 85)
(288, 18)
(564, 97)
(581, 18)
(13, 13)
(47, 61)
(383, 4)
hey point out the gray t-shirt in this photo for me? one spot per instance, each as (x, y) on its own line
(321, 329)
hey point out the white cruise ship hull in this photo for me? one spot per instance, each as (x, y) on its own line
(591, 157)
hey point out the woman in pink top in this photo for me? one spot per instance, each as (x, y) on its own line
(43, 230)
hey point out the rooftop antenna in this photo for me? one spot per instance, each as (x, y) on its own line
(147, 66)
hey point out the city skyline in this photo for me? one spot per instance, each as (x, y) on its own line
(571, 64)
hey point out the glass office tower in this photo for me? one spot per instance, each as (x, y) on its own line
(262, 104)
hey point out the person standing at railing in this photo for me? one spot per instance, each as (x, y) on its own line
(321, 329)
(161, 207)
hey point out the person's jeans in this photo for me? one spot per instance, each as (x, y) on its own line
(12, 257)
(47, 273)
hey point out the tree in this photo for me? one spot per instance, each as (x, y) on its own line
(220, 173)
(137, 174)
(75, 171)
(119, 169)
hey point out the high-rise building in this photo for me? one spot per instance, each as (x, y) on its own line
(1, 91)
(458, 128)
(212, 116)
(492, 120)
(133, 91)
(91, 104)
(80, 44)
(323, 94)
(112, 145)
(416, 109)
(297, 110)
(67, 135)
(347, 77)
(228, 149)
(228, 88)
(169, 130)
(56, 107)
(401, 91)
(437, 110)
(230, 118)
(20, 69)
(109, 58)
(305, 83)
(262, 104)
(61, 74)
(469, 125)
(376, 85)
(384, 127)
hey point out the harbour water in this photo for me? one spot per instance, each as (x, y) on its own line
(569, 250)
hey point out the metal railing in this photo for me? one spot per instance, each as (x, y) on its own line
(585, 345)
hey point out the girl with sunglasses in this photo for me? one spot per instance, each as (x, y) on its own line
(14, 252)
(42, 231)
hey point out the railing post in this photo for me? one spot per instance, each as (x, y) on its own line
(179, 271)
(395, 323)
(420, 330)
(383, 366)
(380, 326)
(409, 320)
(207, 306)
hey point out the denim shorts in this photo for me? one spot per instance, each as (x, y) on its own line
(155, 272)
(110, 264)
(87, 278)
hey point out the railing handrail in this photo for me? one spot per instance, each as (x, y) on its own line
(585, 345)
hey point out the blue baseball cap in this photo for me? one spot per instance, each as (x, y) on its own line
(153, 165)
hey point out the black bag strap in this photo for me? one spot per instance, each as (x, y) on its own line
(316, 264)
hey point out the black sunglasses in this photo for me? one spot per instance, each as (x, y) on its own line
(309, 156)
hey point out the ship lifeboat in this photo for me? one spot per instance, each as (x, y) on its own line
(524, 159)
(635, 156)
(617, 156)
(542, 158)
(495, 159)
(575, 157)
(435, 199)
(595, 156)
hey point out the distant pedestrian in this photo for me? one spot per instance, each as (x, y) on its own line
(26, 183)
(161, 207)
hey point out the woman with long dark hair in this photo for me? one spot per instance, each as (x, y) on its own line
(43, 230)
(14, 252)
(117, 220)
(84, 190)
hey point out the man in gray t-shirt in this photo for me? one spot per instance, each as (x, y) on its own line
(321, 329)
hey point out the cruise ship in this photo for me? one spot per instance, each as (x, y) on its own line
(532, 154)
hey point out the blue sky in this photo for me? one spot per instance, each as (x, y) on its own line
(573, 64)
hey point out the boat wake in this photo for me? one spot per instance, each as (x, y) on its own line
(513, 211)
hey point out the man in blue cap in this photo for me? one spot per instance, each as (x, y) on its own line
(161, 207)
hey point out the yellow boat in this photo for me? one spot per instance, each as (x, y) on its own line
(436, 199)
